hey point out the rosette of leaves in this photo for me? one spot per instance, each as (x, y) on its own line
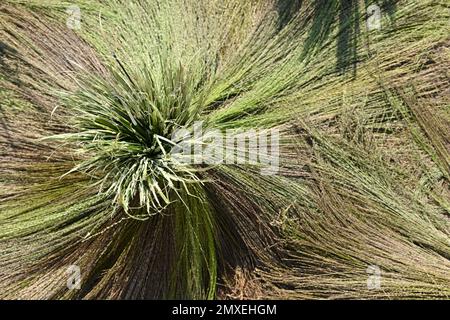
(87, 177)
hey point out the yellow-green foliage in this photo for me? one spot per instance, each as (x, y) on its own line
(86, 118)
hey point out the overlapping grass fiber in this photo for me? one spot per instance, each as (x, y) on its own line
(86, 179)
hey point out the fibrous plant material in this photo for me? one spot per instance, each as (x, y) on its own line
(93, 94)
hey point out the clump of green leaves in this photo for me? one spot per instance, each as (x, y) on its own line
(363, 179)
(123, 126)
